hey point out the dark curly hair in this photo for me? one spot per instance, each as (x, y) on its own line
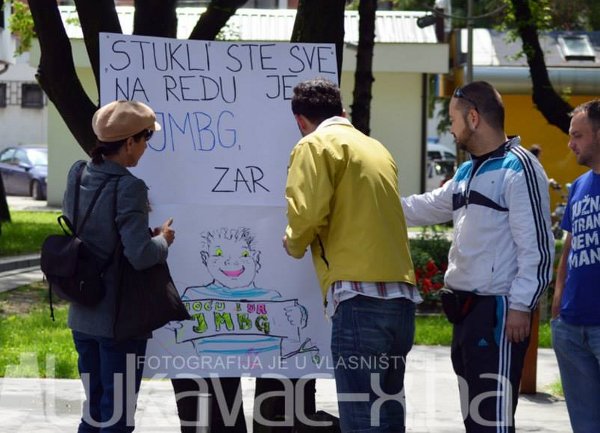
(317, 100)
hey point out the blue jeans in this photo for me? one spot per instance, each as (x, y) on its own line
(370, 340)
(577, 350)
(111, 385)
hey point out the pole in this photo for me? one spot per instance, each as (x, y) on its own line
(469, 78)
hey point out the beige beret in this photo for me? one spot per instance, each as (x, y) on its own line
(121, 119)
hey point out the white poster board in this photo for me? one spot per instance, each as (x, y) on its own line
(218, 167)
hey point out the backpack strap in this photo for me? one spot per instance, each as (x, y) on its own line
(91, 206)
(77, 187)
(116, 250)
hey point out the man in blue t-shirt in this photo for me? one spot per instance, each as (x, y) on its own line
(576, 303)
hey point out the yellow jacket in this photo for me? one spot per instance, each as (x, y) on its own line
(343, 201)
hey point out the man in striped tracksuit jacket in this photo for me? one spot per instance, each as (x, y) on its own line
(501, 257)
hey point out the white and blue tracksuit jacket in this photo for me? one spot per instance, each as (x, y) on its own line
(502, 242)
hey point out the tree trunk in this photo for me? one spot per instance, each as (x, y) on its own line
(95, 17)
(319, 21)
(216, 16)
(363, 76)
(548, 102)
(4, 211)
(155, 18)
(56, 72)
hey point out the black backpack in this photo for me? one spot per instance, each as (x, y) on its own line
(73, 271)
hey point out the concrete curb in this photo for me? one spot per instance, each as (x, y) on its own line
(19, 262)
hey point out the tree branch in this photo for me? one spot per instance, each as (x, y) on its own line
(56, 73)
(548, 102)
(214, 18)
(95, 17)
(363, 76)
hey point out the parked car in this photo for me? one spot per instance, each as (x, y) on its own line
(439, 151)
(24, 170)
(439, 171)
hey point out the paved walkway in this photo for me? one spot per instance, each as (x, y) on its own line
(53, 406)
(27, 203)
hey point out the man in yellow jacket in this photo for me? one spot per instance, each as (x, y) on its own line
(343, 201)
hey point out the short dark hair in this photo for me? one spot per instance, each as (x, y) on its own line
(591, 110)
(112, 147)
(317, 100)
(485, 99)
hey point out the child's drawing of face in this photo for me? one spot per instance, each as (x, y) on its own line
(231, 262)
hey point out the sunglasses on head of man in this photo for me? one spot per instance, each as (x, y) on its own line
(459, 93)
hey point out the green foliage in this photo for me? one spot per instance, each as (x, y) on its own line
(541, 16)
(444, 114)
(558, 246)
(545, 335)
(400, 5)
(21, 24)
(27, 231)
(229, 32)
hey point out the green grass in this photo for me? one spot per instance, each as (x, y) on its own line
(435, 330)
(31, 344)
(34, 346)
(555, 388)
(27, 231)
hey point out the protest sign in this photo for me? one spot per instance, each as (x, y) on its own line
(218, 167)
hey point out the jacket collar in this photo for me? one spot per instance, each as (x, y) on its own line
(335, 120)
(502, 150)
(109, 168)
(513, 141)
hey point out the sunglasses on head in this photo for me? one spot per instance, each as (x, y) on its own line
(459, 93)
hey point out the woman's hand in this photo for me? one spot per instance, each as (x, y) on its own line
(166, 231)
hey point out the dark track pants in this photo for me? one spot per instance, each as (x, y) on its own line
(488, 367)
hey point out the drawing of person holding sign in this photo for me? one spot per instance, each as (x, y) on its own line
(228, 321)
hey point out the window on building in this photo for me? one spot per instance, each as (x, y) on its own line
(32, 96)
(2, 95)
(576, 47)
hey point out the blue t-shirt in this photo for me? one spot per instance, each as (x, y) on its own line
(581, 295)
(233, 344)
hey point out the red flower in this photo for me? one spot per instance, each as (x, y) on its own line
(426, 285)
(431, 268)
(418, 274)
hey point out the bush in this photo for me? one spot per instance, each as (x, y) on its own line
(429, 253)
